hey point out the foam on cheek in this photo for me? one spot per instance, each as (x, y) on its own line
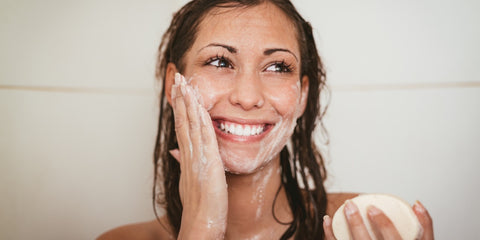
(296, 89)
(301, 98)
(293, 91)
(268, 148)
(281, 132)
(272, 144)
(207, 103)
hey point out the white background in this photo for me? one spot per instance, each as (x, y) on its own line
(78, 109)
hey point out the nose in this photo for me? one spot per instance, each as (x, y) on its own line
(247, 92)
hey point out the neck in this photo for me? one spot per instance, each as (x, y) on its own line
(250, 201)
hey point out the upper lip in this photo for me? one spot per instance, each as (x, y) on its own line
(242, 120)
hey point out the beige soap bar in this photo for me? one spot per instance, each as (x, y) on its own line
(399, 212)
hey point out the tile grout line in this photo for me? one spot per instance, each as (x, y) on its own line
(407, 86)
(124, 91)
(145, 91)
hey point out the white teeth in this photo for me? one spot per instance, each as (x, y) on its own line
(246, 131)
(238, 130)
(241, 130)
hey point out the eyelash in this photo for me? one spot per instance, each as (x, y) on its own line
(284, 67)
(219, 59)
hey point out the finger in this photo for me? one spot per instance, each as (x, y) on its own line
(355, 221)
(327, 228)
(382, 226)
(209, 138)
(181, 121)
(425, 220)
(175, 154)
(193, 123)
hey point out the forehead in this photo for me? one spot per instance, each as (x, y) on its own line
(264, 25)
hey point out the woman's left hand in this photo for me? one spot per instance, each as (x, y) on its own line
(381, 224)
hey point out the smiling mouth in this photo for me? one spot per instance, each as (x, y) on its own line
(241, 130)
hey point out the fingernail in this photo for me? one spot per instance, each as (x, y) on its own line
(180, 81)
(419, 207)
(327, 220)
(350, 208)
(177, 78)
(175, 153)
(373, 211)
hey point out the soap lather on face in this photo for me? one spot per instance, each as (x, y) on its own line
(248, 79)
(268, 147)
(279, 129)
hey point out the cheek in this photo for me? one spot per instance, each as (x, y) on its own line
(285, 99)
(209, 89)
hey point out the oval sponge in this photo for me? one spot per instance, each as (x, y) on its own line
(399, 212)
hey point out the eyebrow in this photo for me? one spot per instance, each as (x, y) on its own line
(270, 51)
(229, 48)
(267, 52)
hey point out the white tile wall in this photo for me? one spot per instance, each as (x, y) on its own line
(78, 112)
(78, 115)
(108, 44)
(397, 42)
(74, 165)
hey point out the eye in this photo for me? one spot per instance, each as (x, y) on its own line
(280, 67)
(219, 62)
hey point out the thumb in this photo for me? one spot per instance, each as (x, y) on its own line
(175, 154)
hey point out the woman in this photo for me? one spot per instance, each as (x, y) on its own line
(240, 100)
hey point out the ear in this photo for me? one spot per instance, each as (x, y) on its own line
(303, 96)
(169, 81)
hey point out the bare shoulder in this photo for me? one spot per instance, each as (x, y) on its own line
(335, 200)
(143, 231)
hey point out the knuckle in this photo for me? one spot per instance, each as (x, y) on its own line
(194, 125)
(179, 122)
(384, 223)
(381, 221)
(355, 220)
(192, 122)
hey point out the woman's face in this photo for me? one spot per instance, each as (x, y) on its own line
(245, 64)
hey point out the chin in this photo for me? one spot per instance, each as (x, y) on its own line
(244, 164)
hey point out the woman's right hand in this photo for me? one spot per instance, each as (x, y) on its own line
(203, 187)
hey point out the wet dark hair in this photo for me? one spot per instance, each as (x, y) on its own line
(308, 204)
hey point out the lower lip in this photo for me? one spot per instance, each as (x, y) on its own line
(237, 138)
